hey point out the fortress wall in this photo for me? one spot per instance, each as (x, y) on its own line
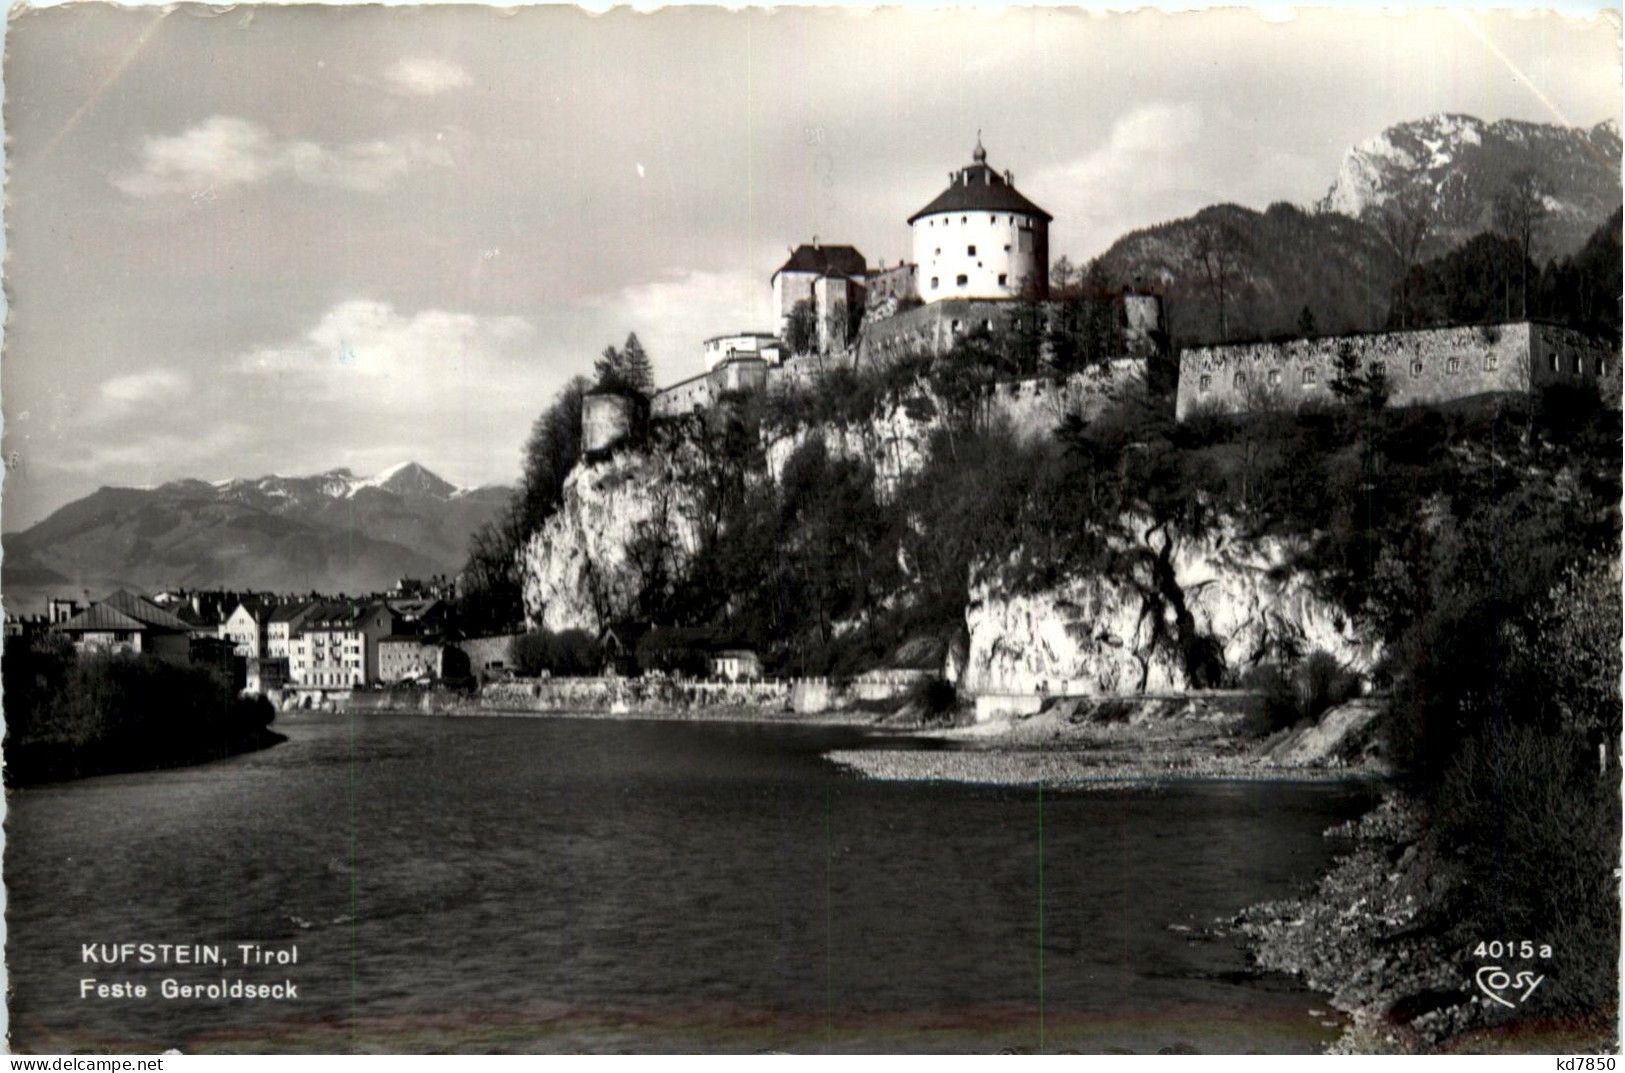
(606, 420)
(1036, 406)
(1428, 365)
(685, 396)
(1564, 356)
(932, 328)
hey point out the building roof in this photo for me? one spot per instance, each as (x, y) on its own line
(979, 188)
(258, 607)
(825, 261)
(334, 614)
(145, 612)
(101, 618)
(293, 610)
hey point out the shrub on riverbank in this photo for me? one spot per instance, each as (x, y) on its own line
(567, 653)
(1289, 696)
(68, 716)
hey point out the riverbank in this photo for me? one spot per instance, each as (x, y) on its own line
(38, 765)
(1102, 743)
(1366, 935)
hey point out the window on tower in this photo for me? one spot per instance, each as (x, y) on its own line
(970, 251)
(1002, 279)
(962, 279)
(933, 282)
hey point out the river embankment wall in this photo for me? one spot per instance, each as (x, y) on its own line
(652, 695)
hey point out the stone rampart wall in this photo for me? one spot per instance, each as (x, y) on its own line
(1423, 366)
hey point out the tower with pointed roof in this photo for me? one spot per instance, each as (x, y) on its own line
(981, 238)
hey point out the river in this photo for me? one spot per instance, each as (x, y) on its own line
(512, 884)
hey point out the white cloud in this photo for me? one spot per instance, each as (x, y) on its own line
(369, 384)
(227, 151)
(154, 385)
(147, 391)
(367, 345)
(1143, 139)
(674, 316)
(425, 76)
(1159, 161)
(148, 454)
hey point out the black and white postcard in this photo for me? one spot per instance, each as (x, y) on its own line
(1019, 530)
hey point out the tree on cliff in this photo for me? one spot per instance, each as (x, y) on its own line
(551, 452)
(1520, 215)
(801, 328)
(1085, 329)
(626, 369)
(1405, 223)
(1217, 247)
(491, 581)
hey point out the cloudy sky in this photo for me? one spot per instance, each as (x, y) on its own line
(284, 239)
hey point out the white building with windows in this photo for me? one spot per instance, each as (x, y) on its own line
(337, 646)
(981, 238)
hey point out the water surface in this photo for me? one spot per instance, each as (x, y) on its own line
(554, 884)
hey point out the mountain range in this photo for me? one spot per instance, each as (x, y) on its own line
(328, 532)
(1334, 258)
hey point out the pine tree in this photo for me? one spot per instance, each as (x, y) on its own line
(626, 369)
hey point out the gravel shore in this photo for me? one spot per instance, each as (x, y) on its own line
(1106, 744)
(1365, 934)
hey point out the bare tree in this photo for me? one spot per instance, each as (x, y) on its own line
(1520, 215)
(1217, 250)
(1405, 224)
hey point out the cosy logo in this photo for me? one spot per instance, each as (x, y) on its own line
(1497, 983)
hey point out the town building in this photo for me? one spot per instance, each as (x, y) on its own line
(735, 665)
(337, 645)
(124, 623)
(59, 609)
(408, 658)
(265, 675)
(981, 238)
(246, 626)
(25, 627)
(286, 618)
(1421, 366)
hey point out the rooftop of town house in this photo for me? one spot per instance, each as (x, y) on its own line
(293, 610)
(144, 611)
(101, 619)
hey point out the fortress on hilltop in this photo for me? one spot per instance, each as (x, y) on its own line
(981, 264)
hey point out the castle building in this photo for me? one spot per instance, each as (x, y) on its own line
(813, 268)
(981, 238)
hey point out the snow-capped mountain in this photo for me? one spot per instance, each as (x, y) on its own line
(332, 532)
(1453, 166)
(1334, 259)
(406, 479)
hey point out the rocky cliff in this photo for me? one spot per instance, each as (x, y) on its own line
(1170, 615)
(1167, 612)
(627, 522)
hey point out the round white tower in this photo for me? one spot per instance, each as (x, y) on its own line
(980, 238)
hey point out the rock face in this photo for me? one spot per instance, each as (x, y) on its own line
(1219, 607)
(626, 522)
(896, 442)
(1453, 166)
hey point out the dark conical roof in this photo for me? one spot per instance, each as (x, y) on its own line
(981, 189)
